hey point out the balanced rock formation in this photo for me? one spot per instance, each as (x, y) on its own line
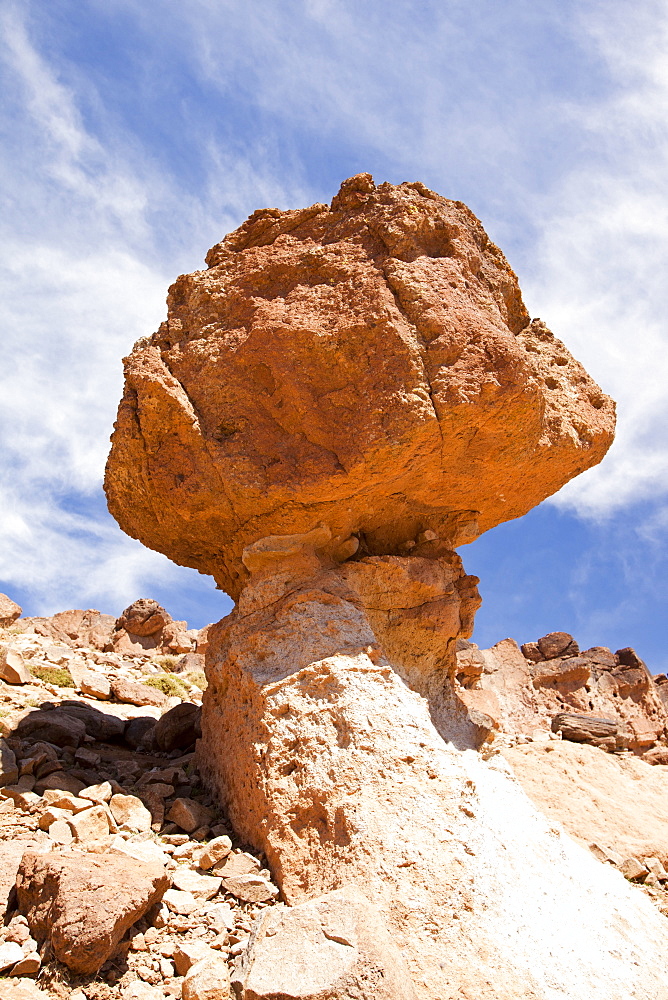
(345, 395)
(369, 365)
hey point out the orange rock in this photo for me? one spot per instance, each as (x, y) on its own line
(370, 366)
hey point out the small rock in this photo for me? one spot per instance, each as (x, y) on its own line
(215, 851)
(139, 732)
(201, 886)
(86, 758)
(655, 866)
(189, 814)
(60, 781)
(91, 824)
(12, 667)
(632, 869)
(9, 771)
(57, 798)
(237, 864)
(167, 970)
(9, 611)
(147, 850)
(180, 902)
(656, 755)
(605, 854)
(138, 943)
(251, 888)
(10, 954)
(29, 965)
(95, 685)
(100, 794)
(189, 953)
(558, 644)
(179, 727)
(130, 813)
(220, 917)
(207, 980)
(133, 693)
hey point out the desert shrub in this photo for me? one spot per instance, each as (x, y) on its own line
(58, 676)
(198, 678)
(171, 686)
(166, 662)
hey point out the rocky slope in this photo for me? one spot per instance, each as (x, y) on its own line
(121, 877)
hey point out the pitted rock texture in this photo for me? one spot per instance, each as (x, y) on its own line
(341, 774)
(368, 365)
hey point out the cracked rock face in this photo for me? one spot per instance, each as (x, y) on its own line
(368, 365)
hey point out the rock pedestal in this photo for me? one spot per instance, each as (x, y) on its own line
(346, 776)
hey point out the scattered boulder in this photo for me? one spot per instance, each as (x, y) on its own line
(139, 732)
(9, 611)
(557, 644)
(130, 812)
(53, 726)
(12, 667)
(178, 728)
(332, 946)
(208, 979)
(584, 728)
(85, 903)
(9, 772)
(134, 693)
(189, 814)
(95, 685)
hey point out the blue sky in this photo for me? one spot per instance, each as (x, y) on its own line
(136, 134)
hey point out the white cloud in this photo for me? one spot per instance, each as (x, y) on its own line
(602, 259)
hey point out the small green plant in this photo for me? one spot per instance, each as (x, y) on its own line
(166, 662)
(58, 676)
(171, 686)
(198, 678)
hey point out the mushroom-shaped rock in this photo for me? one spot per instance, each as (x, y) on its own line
(368, 366)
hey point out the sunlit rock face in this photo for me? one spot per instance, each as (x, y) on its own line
(368, 365)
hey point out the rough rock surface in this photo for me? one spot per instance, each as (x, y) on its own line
(332, 946)
(617, 801)
(9, 611)
(369, 365)
(331, 765)
(84, 905)
(523, 690)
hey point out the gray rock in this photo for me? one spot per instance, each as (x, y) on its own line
(9, 771)
(52, 726)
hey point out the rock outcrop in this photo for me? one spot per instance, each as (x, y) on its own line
(369, 365)
(9, 611)
(526, 689)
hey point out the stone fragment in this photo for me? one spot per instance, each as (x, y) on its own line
(95, 685)
(10, 954)
(237, 864)
(146, 850)
(633, 870)
(190, 663)
(22, 989)
(567, 670)
(188, 953)
(180, 902)
(134, 693)
(130, 812)
(29, 965)
(97, 793)
(139, 732)
(583, 728)
(85, 903)
(201, 886)
(143, 617)
(220, 917)
(179, 727)
(531, 651)
(23, 800)
(61, 832)
(60, 781)
(57, 798)
(12, 667)
(655, 866)
(250, 888)
(90, 824)
(9, 771)
(50, 814)
(9, 611)
(189, 814)
(332, 946)
(208, 979)
(53, 726)
(214, 852)
(605, 854)
(557, 644)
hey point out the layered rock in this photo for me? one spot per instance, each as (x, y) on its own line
(369, 365)
(524, 689)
